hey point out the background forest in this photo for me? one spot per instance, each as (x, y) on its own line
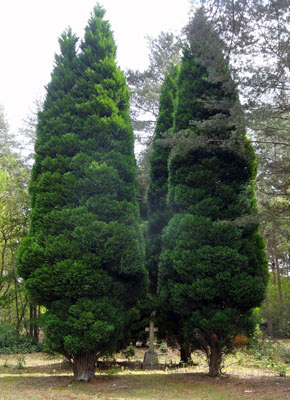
(256, 44)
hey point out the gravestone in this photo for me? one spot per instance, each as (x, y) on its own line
(151, 358)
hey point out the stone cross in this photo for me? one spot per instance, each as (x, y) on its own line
(151, 331)
(150, 357)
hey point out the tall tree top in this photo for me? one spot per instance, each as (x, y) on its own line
(105, 45)
(65, 63)
(204, 43)
(99, 11)
(207, 99)
(67, 43)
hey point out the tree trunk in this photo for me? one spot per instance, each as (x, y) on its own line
(16, 303)
(35, 326)
(30, 321)
(214, 357)
(278, 270)
(279, 280)
(84, 366)
(22, 314)
(269, 322)
(273, 272)
(185, 353)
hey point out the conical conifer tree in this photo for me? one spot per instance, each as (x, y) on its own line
(83, 259)
(212, 268)
(159, 213)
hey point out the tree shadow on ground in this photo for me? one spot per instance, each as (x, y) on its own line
(148, 385)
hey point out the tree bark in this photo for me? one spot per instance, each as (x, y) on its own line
(30, 321)
(273, 272)
(35, 326)
(16, 303)
(185, 353)
(84, 366)
(278, 270)
(214, 357)
(22, 314)
(269, 322)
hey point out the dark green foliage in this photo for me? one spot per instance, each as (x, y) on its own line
(159, 157)
(83, 259)
(212, 268)
(196, 262)
(90, 323)
(157, 193)
(212, 182)
(141, 320)
(206, 92)
(193, 87)
(11, 341)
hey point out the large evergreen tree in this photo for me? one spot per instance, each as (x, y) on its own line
(83, 259)
(212, 268)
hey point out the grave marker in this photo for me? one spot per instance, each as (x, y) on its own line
(151, 358)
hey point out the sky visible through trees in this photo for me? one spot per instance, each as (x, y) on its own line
(32, 38)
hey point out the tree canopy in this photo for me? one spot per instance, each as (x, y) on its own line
(212, 268)
(83, 258)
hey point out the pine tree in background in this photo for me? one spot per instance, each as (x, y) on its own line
(212, 268)
(83, 259)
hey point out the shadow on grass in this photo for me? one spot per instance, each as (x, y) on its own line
(147, 385)
(159, 381)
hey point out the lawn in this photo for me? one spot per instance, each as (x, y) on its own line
(38, 377)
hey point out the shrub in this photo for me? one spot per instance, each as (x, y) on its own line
(270, 354)
(12, 342)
